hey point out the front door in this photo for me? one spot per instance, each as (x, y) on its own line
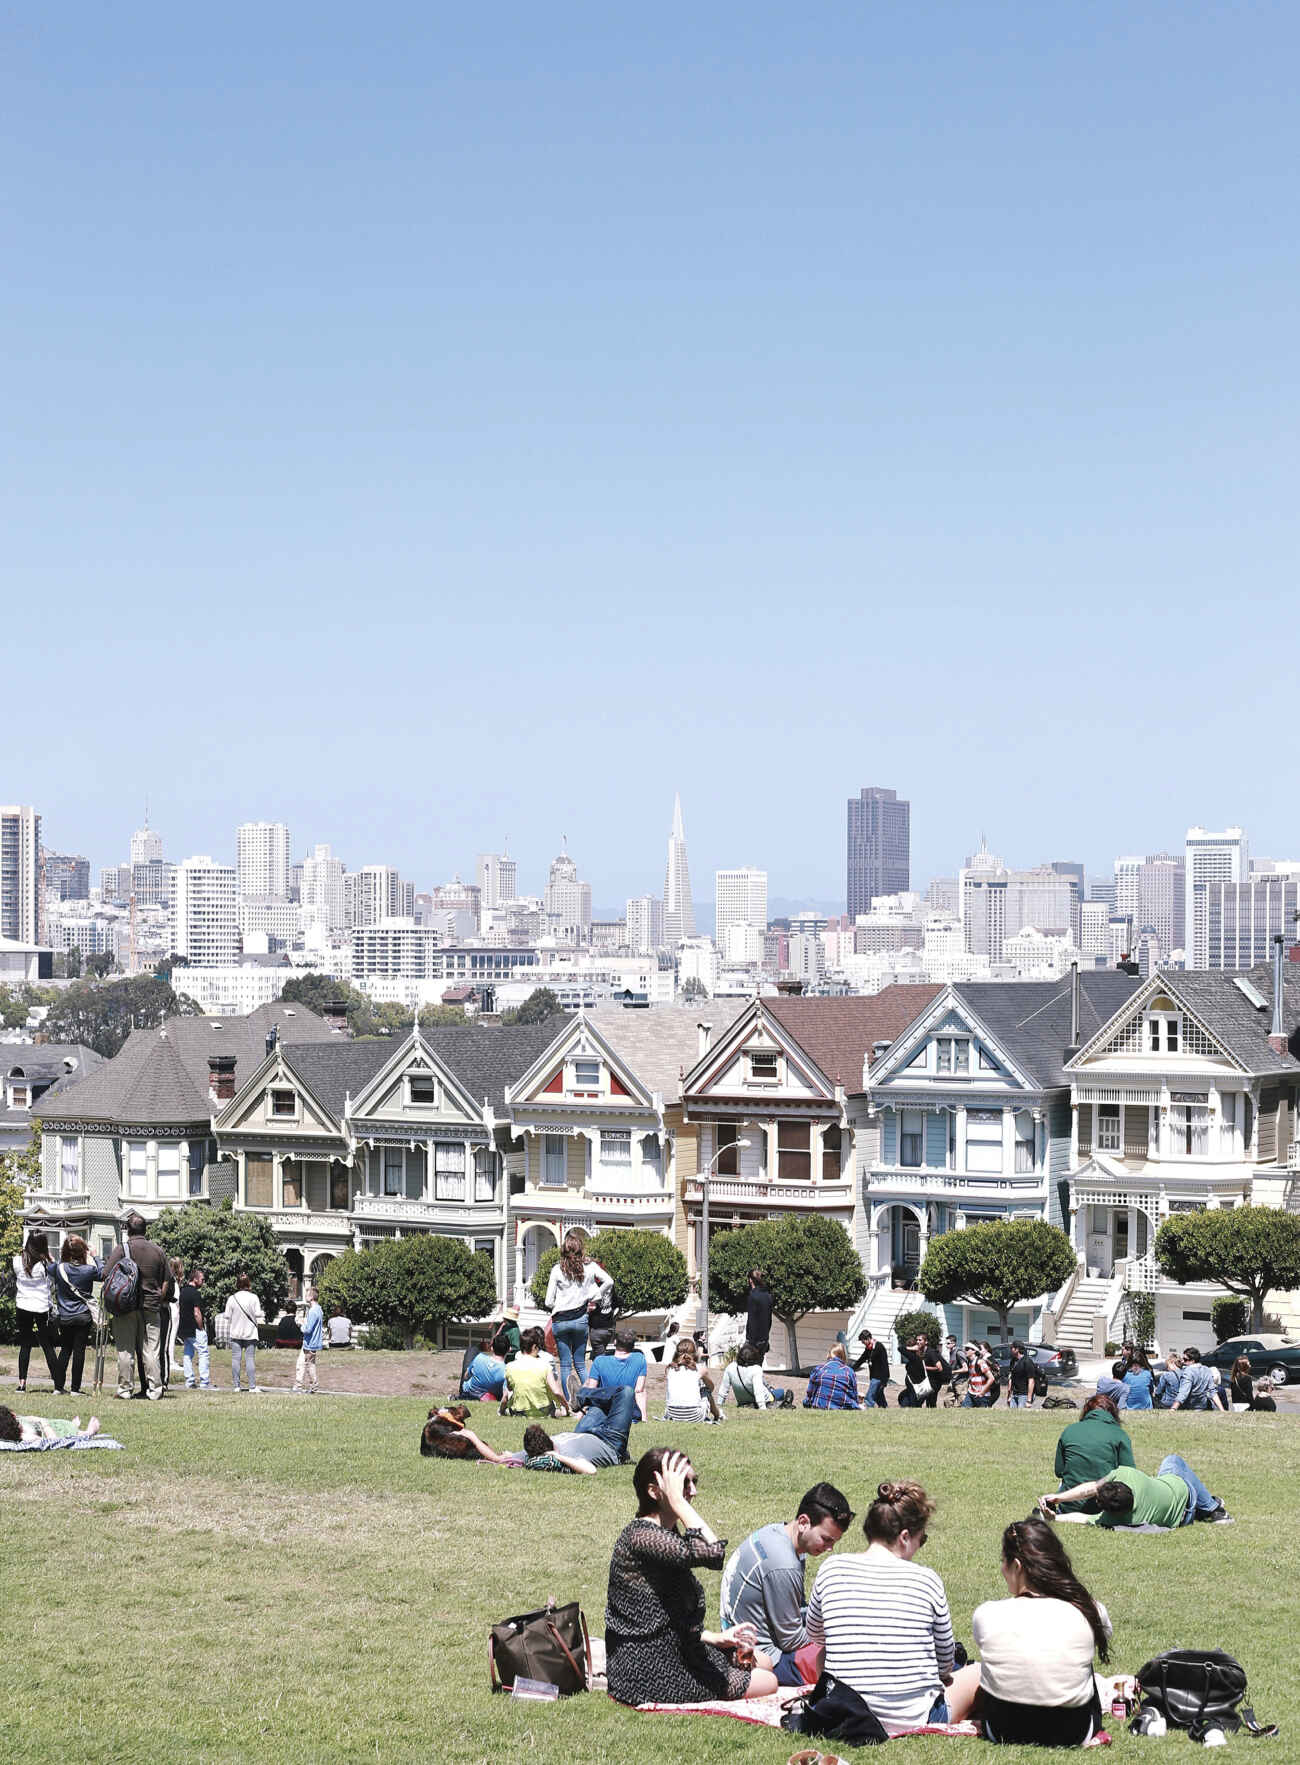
(1100, 1255)
(1119, 1234)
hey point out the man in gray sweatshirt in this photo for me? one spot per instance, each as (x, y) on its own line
(763, 1578)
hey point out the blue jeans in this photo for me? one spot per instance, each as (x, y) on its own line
(249, 1352)
(1199, 1499)
(975, 1403)
(1019, 1403)
(776, 1393)
(198, 1339)
(609, 1414)
(875, 1398)
(571, 1346)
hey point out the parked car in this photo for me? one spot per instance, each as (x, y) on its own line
(1271, 1355)
(1057, 1365)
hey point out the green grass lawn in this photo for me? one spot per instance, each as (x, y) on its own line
(285, 1579)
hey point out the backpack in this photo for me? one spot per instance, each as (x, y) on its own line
(1196, 1689)
(835, 1711)
(121, 1290)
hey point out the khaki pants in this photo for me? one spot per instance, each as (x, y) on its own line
(138, 1331)
(306, 1367)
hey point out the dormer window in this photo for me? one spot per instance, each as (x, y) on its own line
(586, 1077)
(18, 1097)
(284, 1105)
(953, 1053)
(422, 1087)
(1164, 1026)
(763, 1066)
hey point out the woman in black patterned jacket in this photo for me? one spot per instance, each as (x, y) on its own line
(657, 1649)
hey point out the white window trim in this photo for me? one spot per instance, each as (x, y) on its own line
(274, 1115)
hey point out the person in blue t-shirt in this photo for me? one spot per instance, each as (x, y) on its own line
(313, 1336)
(486, 1374)
(626, 1366)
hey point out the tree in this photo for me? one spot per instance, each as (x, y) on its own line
(417, 1284)
(1252, 1251)
(225, 1244)
(99, 963)
(694, 988)
(1000, 1264)
(365, 1019)
(648, 1270)
(810, 1264)
(14, 1009)
(102, 1015)
(1229, 1317)
(72, 962)
(909, 1325)
(540, 1004)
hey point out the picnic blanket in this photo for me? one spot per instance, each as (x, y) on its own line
(77, 1442)
(767, 1713)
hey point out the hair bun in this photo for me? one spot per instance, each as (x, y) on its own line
(889, 1492)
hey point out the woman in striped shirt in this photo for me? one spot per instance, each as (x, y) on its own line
(883, 1620)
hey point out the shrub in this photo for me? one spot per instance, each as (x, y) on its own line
(1140, 1313)
(908, 1326)
(1229, 1317)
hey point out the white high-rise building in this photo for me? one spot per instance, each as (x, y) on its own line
(374, 893)
(645, 924)
(679, 910)
(568, 900)
(146, 846)
(205, 928)
(263, 862)
(1151, 892)
(497, 879)
(1210, 858)
(321, 893)
(20, 874)
(739, 898)
(1094, 928)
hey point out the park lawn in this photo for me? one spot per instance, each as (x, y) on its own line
(285, 1579)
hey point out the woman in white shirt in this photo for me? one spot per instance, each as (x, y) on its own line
(883, 1620)
(690, 1391)
(576, 1283)
(1036, 1648)
(243, 1314)
(32, 1274)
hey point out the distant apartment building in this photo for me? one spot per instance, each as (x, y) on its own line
(321, 894)
(67, 877)
(205, 929)
(497, 879)
(1237, 921)
(893, 922)
(1210, 858)
(262, 868)
(879, 847)
(1101, 888)
(394, 950)
(21, 903)
(645, 924)
(115, 884)
(997, 902)
(740, 898)
(1152, 892)
(269, 921)
(461, 900)
(1094, 922)
(153, 883)
(374, 893)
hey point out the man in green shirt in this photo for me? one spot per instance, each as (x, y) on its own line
(1090, 1449)
(1175, 1496)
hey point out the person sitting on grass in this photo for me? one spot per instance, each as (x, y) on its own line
(1090, 1449)
(763, 1580)
(1139, 1381)
(833, 1385)
(744, 1380)
(27, 1428)
(1168, 1379)
(625, 1365)
(1198, 1389)
(656, 1647)
(484, 1379)
(689, 1396)
(532, 1386)
(1036, 1647)
(1174, 1497)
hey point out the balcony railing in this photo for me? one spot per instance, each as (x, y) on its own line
(759, 1189)
(893, 1179)
(399, 1209)
(302, 1219)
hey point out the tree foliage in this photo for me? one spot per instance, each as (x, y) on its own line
(540, 1004)
(365, 1018)
(648, 1270)
(20, 1170)
(225, 1244)
(72, 962)
(694, 988)
(810, 1264)
(417, 1284)
(1229, 1317)
(1000, 1263)
(909, 1325)
(1252, 1251)
(102, 1014)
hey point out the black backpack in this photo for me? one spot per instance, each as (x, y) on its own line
(1197, 1689)
(834, 1711)
(121, 1290)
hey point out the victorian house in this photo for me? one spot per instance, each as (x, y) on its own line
(1184, 1099)
(966, 1118)
(599, 1118)
(30, 1071)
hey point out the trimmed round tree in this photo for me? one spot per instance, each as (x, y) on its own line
(225, 1244)
(999, 1264)
(810, 1264)
(648, 1270)
(909, 1325)
(1252, 1251)
(416, 1284)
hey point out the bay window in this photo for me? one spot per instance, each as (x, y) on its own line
(258, 1178)
(394, 1170)
(616, 1151)
(137, 1167)
(169, 1171)
(984, 1140)
(794, 1151)
(449, 1172)
(555, 1157)
(485, 1174)
(69, 1162)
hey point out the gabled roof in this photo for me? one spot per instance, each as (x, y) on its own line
(1030, 1020)
(483, 1059)
(334, 1071)
(59, 1062)
(839, 1034)
(161, 1076)
(663, 1043)
(1218, 1003)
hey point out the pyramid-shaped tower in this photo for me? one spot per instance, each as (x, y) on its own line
(679, 913)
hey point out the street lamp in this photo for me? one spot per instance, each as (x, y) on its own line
(705, 1175)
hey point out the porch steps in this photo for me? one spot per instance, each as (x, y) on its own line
(1074, 1328)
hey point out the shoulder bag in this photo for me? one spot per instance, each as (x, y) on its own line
(551, 1645)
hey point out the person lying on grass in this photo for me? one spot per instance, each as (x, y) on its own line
(25, 1428)
(1174, 1497)
(598, 1442)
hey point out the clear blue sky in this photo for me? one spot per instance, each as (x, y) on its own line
(425, 424)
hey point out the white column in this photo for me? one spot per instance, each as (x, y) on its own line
(1008, 1142)
(769, 1131)
(815, 1151)
(277, 1180)
(960, 1158)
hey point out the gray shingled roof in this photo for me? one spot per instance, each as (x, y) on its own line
(1030, 1020)
(335, 1071)
(1213, 997)
(161, 1076)
(40, 1061)
(661, 1044)
(485, 1058)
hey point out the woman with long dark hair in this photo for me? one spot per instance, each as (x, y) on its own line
(657, 1649)
(1139, 1380)
(575, 1286)
(32, 1299)
(1037, 1646)
(74, 1274)
(1241, 1385)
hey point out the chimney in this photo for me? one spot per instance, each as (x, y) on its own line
(1277, 1037)
(705, 1033)
(221, 1077)
(334, 1012)
(272, 1037)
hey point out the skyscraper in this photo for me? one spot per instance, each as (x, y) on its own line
(679, 911)
(568, 900)
(205, 928)
(263, 864)
(1152, 892)
(321, 892)
(145, 845)
(1211, 858)
(497, 879)
(879, 847)
(739, 898)
(20, 874)
(645, 924)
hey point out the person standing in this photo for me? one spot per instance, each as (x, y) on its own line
(919, 1390)
(139, 1330)
(32, 1274)
(982, 1387)
(1024, 1379)
(573, 1291)
(313, 1335)
(194, 1332)
(171, 1320)
(758, 1313)
(243, 1314)
(875, 1357)
(75, 1274)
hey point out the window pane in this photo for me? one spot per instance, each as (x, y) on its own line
(291, 1178)
(339, 1197)
(169, 1171)
(137, 1168)
(317, 1185)
(554, 1159)
(415, 1173)
(729, 1164)
(393, 1170)
(257, 1181)
(485, 1175)
(586, 1075)
(70, 1163)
